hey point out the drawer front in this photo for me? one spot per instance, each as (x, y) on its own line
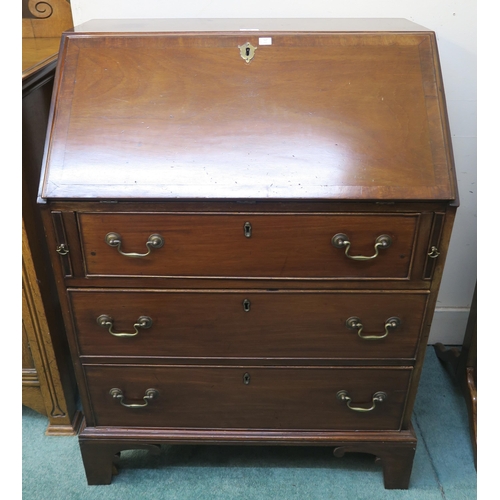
(248, 324)
(247, 397)
(221, 245)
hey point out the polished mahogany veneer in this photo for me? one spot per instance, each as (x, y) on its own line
(277, 245)
(247, 324)
(319, 115)
(273, 398)
(249, 222)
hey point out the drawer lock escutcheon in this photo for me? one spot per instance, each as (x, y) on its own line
(115, 240)
(246, 305)
(148, 396)
(107, 322)
(354, 323)
(247, 51)
(341, 240)
(246, 378)
(247, 229)
(378, 397)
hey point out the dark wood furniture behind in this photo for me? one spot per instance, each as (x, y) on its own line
(463, 362)
(248, 231)
(48, 381)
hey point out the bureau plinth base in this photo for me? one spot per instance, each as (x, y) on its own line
(100, 458)
(396, 460)
(101, 447)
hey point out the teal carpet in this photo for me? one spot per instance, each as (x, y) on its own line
(443, 468)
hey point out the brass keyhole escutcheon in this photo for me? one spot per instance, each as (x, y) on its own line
(247, 51)
(246, 378)
(247, 230)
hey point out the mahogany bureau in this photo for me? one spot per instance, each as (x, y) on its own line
(249, 222)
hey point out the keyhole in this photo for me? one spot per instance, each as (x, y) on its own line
(246, 305)
(246, 378)
(247, 51)
(247, 229)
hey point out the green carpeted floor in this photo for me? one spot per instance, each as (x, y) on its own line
(443, 467)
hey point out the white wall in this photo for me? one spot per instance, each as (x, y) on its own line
(454, 22)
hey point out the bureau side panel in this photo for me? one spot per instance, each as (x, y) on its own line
(443, 245)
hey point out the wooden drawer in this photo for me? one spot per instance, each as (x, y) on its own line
(248, 397)
(217, 324)
(276, 245)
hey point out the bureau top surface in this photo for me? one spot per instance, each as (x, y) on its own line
(233, 25)
(248, 109)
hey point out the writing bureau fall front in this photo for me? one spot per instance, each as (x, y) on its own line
(249, 222)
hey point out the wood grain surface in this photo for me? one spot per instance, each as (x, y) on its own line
(277, 398)
(312, 116)
(215, 324)
(289, 245)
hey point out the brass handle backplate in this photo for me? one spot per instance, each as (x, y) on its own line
(341, 240)
(107, 322)
(148, 396)
(115, 240)
(354, 323)
(378, 397)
